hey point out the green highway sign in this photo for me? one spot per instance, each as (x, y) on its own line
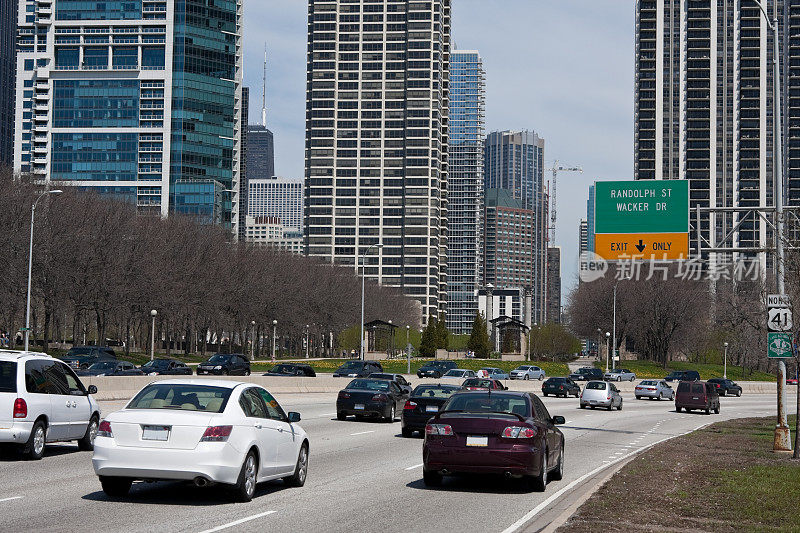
(642, 206)
(779, 344)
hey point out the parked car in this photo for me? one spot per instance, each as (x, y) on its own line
(560, 387)
(791, 381)
(527, 372)
(683, 375)
(654, 389)
(204, 431)
(586, 374)
(292, 369)
(82, 357)
(424, 402)
(370, 397)
(357, 369)
(619, 374)
(483, 384)
(459, 374)
(43, 401)
(495, 373)
(111, 368)
(601, 394)
(726, 387)
(435, 369)
(166, 367)
(397, 378)
(697, 395)
(509, 433)
(225, 364)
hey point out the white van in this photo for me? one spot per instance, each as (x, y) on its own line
(41, 401)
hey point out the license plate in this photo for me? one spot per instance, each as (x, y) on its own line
(431, 408)
(359, 407)
(155, 433)
(473, 440)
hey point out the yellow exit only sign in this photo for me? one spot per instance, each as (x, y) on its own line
(621, 246)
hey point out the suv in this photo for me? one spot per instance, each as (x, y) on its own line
(225, 364)
(683, 375)
(111, 368)
(82, 357)
(42, 401)
(435, 369)
(357, 369)
(697, 395)
(587, 374)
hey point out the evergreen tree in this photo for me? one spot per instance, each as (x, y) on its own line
(442, 335)
(427, 347)
(479, 338)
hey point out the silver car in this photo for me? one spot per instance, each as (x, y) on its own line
(654, 389)
(458, 373)
(528, 372)
(619, 374)
(601, 394)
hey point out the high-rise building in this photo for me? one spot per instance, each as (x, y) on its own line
(465, 188)
(509, 235)
(278, 198)
(590, 220)
(554, 284)
(583, 237)
(138, 99)
(514, 161)
(376, 141)
(8, 67)
(244, 188)
(260, 153)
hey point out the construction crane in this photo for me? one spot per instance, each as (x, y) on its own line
(555, 170)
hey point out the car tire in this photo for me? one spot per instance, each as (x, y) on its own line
(341, 416)
(86, 443)
(638, 397)
(558, 472)
(739, 393)
(245, 486)
(34, 448)
(298, 479)
(544, 394)
(539, 483)
(610, 406)
(708, 411)
(678, 409)
(541, 377)
(116, 487)
(633, 378)
(431, 478)
(619, 378)
(527, 377)
(390, 418)
(407, 433)
(716, 410)
(582, 406)
(619, 408)
(247, 372)
(224, 372)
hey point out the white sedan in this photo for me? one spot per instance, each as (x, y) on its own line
(204, 431)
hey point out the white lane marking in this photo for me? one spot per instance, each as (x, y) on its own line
(362, 432)
(11, 498)
(237, 522)
(539, 508)
(326, 414)
(415, 466)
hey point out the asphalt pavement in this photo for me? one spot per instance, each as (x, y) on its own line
(363, 476)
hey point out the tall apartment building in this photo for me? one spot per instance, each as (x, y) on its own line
(554, 284)
(510, 234)
(376, 140)
(8, 67)
(138, 99)
(590, 220)
(465, 188)
(244, 188)
(260, 152)
(703, 107)
(277, 198)
(514, 161)
(583, 237)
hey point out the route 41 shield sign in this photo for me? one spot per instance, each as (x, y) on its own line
(779, 319)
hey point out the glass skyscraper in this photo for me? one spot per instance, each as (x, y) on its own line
(8, 66)
(465, 188)
(137, 98)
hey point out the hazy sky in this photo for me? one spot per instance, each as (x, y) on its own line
(563, 68)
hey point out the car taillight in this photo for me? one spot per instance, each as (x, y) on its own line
(380, 398)
(216, 434)
(518, 432)
(410, 405)
(104, 429)
(438, 429)
(561, 387)
(344, 395)
(20, 408)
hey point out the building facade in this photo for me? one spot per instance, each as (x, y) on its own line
(465, 188)
(270, 231)
(590, 220)
(376, 141)
(139, 99)
(277, 198)
(8, 67)
(260, 153)
(509, 236)
(554, 284)
(583, 237)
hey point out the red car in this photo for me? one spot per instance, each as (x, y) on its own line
(486, 432)
(791, 381)
(483, 384)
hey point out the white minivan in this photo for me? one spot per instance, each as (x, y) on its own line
(41, 401)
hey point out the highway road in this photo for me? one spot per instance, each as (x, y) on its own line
(363, 476)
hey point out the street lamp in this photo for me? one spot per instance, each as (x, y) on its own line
(608, 336)
(306, 341)
(30, 267)
(274, 332)
(363, 280)
(253, 341)
(725, 367)
(614, 329)
(408, 351)
(599, 340)
(153, 314)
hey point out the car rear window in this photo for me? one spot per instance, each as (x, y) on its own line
(473, 382)
(684, 387)
(698, 388)
(431, 391)
(369, 384)
(556, 380)
(488, 403)
(596, 385)
(8, 376)
(181, 397)
(648, 383)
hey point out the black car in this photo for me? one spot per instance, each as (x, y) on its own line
(82, 357)
(357, 369)
(111, 368)
(292, 369)
(397, 378)
(725, 387)
(424, 403)
(561, 387)
(587, 374)
(435, 369)
(225, 364)
(166, 367)
(370, 397)
(683, 375)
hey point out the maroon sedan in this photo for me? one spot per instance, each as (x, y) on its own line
(487, 432)
(482, 384)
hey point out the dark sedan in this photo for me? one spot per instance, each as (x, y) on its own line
(586, 374)
(425, 401)
(292, 369)
(357, 369)
(166, 367)
(726, 387)
(487, 432)
(111, 368)
(397, 378)
(435, 369)
(561, 387)
(225, 364)
(362, 397)
(82, 357)
(483, 384)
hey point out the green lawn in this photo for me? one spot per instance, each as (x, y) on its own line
(398, 366)
(649, 369)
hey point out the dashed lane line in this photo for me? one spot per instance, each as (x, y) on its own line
(238, 522)
(362, 432)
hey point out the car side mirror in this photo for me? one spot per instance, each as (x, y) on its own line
(294, 417)
(557, 420)
(92, 389)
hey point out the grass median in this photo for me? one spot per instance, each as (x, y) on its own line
(652, 370)
(721, 478)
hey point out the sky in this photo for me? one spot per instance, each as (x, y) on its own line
(563, 68)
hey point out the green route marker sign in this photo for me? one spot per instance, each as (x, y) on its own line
(642, 206)
(779, 344)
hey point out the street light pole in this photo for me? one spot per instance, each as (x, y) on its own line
(725, 362)
(30, 267)
(363, 281)
(408, 351)
(608, 336)
(614, 329)
(306, 341)
(153, 314)
(274, 332)
(253, 341)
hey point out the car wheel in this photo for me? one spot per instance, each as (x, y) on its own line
(619, 408)
(245, 487)
(390, 418)
(407, 433)
(582, 406)
(619, 378)
(247, 372)
(558, 473)
(716, 410)
(431, 478)
(539, 483)
(632, 378)
(86, 443)
(34, 448)
(544, 394)
(723, 393)
(638, 397)
(298, 479)
(541, 377)
(341, 416)
(610, 406)
(738, 393)
(224, 372)
(527, 377)
(708, 411)
(677, 409)
(116, 487)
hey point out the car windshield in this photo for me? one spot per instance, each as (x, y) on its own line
(282, 369)
(156, 363)
(104, 365)
(351, 365)
(523, 368)
(556, 380)
(80, 351)
(485, 383)
(596, 385)
(455, 373)
(183, 397)
(489, 402)
(8, 376)
(648, 383)
(585, 370)
(433, 391)
(369, 384)
(219, 358)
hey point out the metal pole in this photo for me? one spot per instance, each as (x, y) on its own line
(274, 333)
(30, 268)
(153, 314)
(306, 341)
(725, 363)
(614, 334)
(408, 351)
(608, 335)
(253, 342)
